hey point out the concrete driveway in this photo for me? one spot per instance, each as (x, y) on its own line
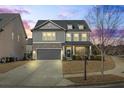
(33, 74)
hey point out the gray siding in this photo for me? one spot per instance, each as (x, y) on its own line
(47, 45)
(60, 36)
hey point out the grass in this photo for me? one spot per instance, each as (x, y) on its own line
(9, 66)
(96, 79)
(75, 67)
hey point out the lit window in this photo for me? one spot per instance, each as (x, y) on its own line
(69, 26)
(81, 27)
(68, 37)
(12, 36)
(48, 36)
(84, 37)
(76, 37)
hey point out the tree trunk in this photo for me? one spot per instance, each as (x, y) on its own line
(102, 65)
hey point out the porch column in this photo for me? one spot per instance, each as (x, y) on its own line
(34, 54)
(73, 50)
(90, 49)
(63, 54)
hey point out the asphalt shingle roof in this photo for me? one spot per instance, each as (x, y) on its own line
(64, 23)
(6, 18)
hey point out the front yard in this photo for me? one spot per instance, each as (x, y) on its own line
(9, 66)
(77, 67)
(96, 80)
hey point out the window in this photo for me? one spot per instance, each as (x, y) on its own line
(68, 37)
(69, 26)
(80, 51)
(12, 36)
(76, 37)
(18, 38)
(48, 36)
(81, 27)
(84, 37)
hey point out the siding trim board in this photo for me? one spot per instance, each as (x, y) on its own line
(47, 45)
(48, 48)
(47, 42)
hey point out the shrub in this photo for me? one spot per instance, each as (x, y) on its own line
(95, 57)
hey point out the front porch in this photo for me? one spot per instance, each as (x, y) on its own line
(75, 51)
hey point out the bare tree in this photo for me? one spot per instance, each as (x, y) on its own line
(106, 21)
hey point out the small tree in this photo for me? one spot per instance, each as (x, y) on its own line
(106, 21)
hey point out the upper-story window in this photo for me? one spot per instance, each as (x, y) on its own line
(18, 38)
(76, 37)
(49, 36)
(69, 26)
(81, 27)
(12, 36)
(68, 37)
(84, 37)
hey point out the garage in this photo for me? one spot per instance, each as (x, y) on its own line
(49, 54)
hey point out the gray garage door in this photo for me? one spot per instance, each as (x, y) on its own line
(48, 54)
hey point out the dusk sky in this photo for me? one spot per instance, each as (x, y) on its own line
(31, 13)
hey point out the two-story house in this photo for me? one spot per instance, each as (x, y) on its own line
(58, 39)
(12, 36)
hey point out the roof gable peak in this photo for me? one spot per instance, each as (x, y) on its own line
(48, 24)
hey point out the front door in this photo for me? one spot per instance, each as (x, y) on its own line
(68, 53)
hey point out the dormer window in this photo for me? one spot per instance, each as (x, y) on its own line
(69, 26)
(81, 27)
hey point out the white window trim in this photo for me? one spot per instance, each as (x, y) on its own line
(81, 27)
(74, 37)
(67, 37)
(69, 26)
(12, 35)
(45, 39)
(86, 37)
(18, 38)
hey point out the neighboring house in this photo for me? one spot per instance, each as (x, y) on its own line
(58, 39)
(12, 36)
(29, 48)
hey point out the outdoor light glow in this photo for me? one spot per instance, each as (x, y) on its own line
(34, 52)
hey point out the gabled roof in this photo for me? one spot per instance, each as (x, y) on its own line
(64, 23)
(47, 21)
(6, 18)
